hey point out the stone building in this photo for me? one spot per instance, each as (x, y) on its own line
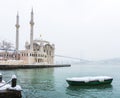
(9, 55)
(36, 52)
(42, 53)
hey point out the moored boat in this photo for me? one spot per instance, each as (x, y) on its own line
(89, 81)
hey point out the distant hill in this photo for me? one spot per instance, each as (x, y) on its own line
(109, 61)
(106, 61)
(83, 61)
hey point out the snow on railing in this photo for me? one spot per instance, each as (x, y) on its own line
(6, 85)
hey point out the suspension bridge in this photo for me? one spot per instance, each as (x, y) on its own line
(71, 58)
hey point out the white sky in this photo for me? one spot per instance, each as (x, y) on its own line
(79, 28)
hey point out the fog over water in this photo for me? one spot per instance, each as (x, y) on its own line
(87, 29)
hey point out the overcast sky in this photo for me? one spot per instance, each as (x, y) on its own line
(79, 28)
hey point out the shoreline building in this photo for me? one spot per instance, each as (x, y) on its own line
(41, 53)
(37, 51)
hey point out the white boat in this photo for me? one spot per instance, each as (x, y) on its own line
(89, 81)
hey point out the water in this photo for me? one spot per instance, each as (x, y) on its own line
(51, 82)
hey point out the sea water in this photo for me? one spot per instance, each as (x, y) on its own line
(51, 82)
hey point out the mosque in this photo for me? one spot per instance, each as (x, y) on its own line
(36, 52)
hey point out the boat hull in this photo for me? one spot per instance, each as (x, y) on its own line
(90, 83)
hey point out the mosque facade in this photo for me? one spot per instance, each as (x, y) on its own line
(37, 51)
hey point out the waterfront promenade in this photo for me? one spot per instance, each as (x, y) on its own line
(7, 67)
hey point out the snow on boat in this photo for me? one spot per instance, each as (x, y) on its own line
(89, 81)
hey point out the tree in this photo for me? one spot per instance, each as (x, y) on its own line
(4, 45)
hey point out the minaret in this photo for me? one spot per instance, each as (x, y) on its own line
(17, 32)
(31, 30)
